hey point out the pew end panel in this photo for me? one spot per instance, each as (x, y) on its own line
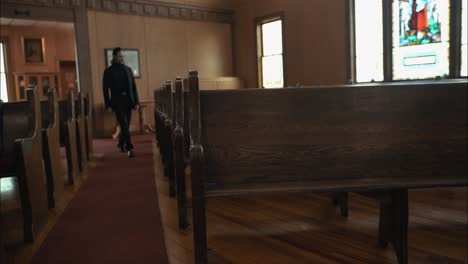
(24, 205)
(80, 132)
(68, 137)
(88, 126)
(51, 148)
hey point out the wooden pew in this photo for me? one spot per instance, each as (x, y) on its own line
(164, 130)
(88, 127)
(180, 153)
(68, 137)
(181, 148)
(2, 239)
(24, 196)
(338, 139)
(157, 115)
(80, 132)
(51, 147)
(167, 138)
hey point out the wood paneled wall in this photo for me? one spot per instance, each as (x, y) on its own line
(168, 47)
(315, 40)
(59, 45)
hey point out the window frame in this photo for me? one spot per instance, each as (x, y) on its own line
(259, 21)
(8, 69)
(387, 9)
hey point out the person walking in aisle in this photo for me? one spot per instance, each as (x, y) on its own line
(119, 79)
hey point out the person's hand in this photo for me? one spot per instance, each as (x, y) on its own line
(137, 107)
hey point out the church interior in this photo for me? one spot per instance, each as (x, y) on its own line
(262, 131)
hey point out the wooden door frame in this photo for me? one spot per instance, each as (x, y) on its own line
(78, 15)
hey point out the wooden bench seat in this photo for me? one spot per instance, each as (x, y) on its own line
(387, 138)
(24, 207)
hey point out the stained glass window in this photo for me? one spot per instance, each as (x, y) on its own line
(272, 54)
(421, 33)
(369, 40)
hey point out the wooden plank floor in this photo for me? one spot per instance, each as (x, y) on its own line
(305, 228)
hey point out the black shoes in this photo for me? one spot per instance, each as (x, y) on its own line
(131, 153)
(121, 147)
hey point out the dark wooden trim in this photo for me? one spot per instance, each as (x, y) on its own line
(197, 161)
(350, 41)
(233, 49)
(179, 155)
(387, 8)
(80, 133)
(284, 34)
(399, 224)
(259, 45)
(455, 38)
(195, 122)
(169, 125)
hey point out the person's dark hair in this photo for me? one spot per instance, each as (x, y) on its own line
(116, 50)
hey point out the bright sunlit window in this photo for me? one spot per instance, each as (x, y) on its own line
(271, 54)
(3, 79)
(464, 52)
(416, 35)
(421, 30)
(369, 40)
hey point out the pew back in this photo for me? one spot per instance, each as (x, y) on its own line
(334, 138)
(22, 141)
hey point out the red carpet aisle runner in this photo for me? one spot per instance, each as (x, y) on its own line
(114, 218)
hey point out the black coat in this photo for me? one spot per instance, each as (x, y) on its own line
(119, 79)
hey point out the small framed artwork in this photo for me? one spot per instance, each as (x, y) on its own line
(131, 59)
(33, 50)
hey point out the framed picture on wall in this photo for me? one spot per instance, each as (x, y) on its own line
(33, 50)
(131, 59)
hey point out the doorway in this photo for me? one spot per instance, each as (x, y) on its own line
(40, 51)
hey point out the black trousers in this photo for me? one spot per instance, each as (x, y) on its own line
(123, 113)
